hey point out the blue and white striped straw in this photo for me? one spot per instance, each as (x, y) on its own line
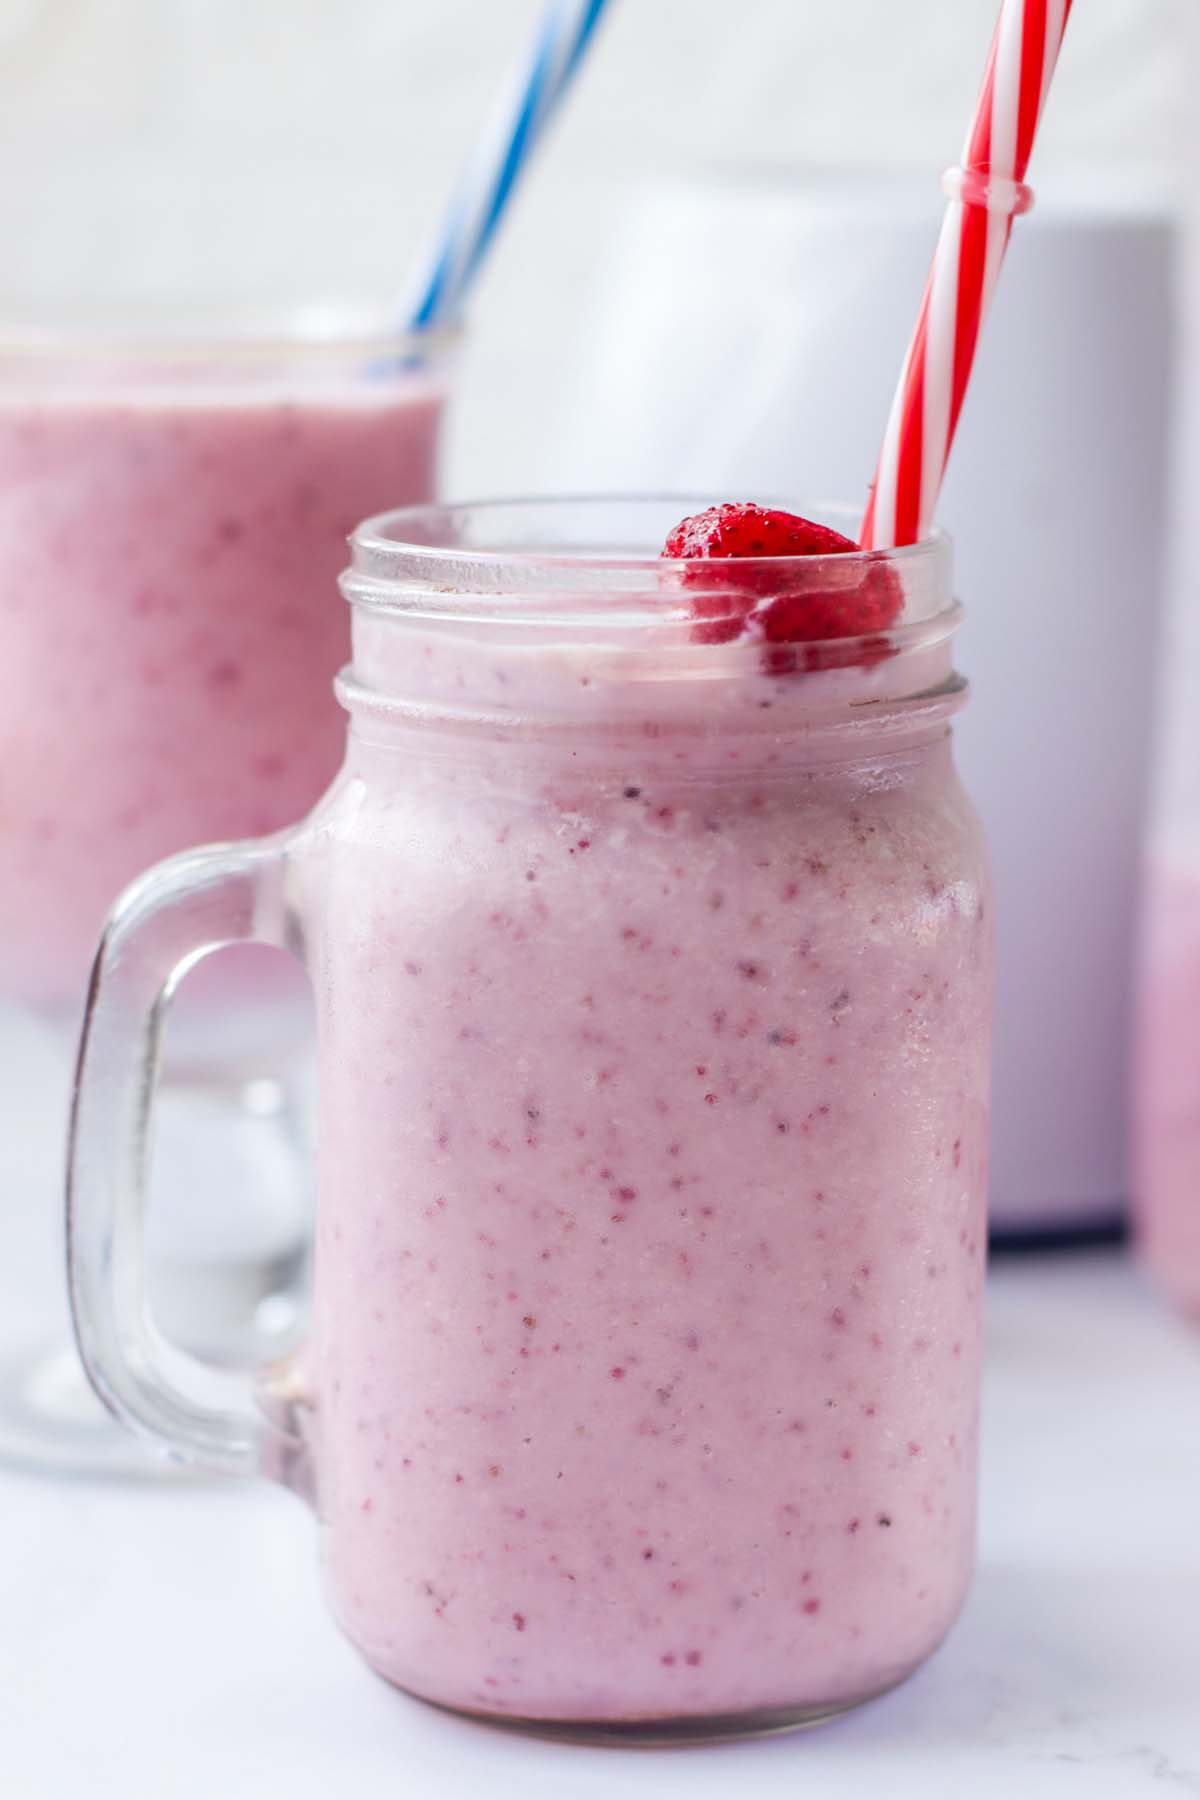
(500, 159)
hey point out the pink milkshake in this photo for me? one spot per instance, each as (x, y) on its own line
(653, 1031)
(170, 533)
(173, 515)
(649, 937)
(1167, 1099)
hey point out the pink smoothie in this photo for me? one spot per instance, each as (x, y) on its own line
(1167, 1103)
(650, 1249)
(171, 627)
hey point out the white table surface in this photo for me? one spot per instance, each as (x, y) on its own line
(169, 1642)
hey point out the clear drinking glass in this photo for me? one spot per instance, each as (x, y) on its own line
(1166, 1086)
(652, 981)
(1166, 1083)
(174, 504)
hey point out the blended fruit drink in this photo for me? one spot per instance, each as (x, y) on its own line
(1167, 1099)
(652, 958)
(173, 516)
(171, 526)
(653, 990)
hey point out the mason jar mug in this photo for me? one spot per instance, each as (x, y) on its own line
(652, 980)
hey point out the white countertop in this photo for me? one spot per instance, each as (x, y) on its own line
(168, 1641)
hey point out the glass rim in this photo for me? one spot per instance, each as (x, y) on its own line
(390, 537)
(517, 598)
(270, 335)
(542, 564)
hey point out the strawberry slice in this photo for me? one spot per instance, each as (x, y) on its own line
(790, 605)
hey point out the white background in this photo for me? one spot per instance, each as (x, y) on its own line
(282, 148)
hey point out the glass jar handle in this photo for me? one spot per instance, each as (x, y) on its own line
(160, 928)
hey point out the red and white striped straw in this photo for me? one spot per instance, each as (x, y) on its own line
(985, 196)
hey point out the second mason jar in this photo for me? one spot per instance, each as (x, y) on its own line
(653, 997)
